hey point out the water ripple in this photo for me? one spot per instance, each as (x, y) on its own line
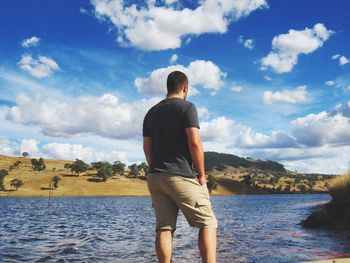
(121, 230)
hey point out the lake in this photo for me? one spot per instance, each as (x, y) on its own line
(121, 229)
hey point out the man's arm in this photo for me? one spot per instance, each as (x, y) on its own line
(147, 148)
(196, 150)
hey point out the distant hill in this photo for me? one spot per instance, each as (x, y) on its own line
(221, 160)
(264, 176)
(233, 174)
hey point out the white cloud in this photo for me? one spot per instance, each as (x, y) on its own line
(104, 115)
(278, 139)
(203, 112)
(62, 151)
(173, 59)
(247, 43)
(69, 151)
(30, 146)
(199, 72)
(323, 128)
(330, 83)
(40, 68)
(167, 26)
(343, 60)
(8, 147)
(218, 129)
(288, 47)
(30, 42)
(236, 89)
(296, 95)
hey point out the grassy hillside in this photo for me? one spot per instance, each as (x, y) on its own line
(231, 180)
(87, 184)
(267, 176)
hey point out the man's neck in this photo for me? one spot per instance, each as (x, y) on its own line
(171, 96)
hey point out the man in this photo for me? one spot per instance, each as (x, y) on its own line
(172, 146)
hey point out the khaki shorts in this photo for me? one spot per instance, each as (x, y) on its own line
(169, 192)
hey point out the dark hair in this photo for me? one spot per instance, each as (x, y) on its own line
(175, 81)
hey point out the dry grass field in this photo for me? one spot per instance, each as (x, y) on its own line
(37, 183)
(87, 184)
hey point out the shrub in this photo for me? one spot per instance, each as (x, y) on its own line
(339, 187)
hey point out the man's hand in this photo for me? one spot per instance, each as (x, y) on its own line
(202, 180)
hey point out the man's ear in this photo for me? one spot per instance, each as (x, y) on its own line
(185, 88)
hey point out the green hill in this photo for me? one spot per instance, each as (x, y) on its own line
(221, 160)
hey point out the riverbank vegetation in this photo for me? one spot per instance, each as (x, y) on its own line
(339, 187)
(333, 215)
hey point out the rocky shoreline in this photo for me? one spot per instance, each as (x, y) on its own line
(333, 216)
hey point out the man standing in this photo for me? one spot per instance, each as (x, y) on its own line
(172, 146)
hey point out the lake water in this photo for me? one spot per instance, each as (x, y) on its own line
(121, 229)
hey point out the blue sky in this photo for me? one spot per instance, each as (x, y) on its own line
(270, 79)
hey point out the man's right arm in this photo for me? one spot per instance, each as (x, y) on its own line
(196, 150)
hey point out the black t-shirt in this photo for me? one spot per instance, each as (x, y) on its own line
(165, 122)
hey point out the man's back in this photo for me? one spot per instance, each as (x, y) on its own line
(165, 122)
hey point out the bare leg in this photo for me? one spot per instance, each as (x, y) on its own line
(164, 245)
(207, 239)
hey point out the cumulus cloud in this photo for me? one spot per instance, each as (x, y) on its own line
(288, 47)
(342, 59)
(329, 83)
(218, 129)
(69, 151)
(323, 128)
(247, 43)
(199, 72)
(168, 25)
(203, 112)
(101, 115)
(296, 95)
(30, 42)
(278, 139)
(63, 151)
(8, 147)
(236, 89)
(173, 59)
(40, 68)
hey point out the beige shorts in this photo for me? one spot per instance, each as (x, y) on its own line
(170, 192)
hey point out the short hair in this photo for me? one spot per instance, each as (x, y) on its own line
(175, 81)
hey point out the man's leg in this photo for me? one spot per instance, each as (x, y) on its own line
(207, 239)
(164, 245)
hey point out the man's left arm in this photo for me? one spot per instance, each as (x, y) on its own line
(147, 148)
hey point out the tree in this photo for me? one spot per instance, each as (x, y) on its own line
(38, 165)
(143, 167)
(15, 165)
(79, 166)
(55, 181)
(17, 183)
(212, 185)
(3, 173)
(134, 170)
(105, 171)
(118, 167)
(247, 179)
(25, 154)
(67, 166)
(97, 165)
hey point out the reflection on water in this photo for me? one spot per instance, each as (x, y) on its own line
(121, 229)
